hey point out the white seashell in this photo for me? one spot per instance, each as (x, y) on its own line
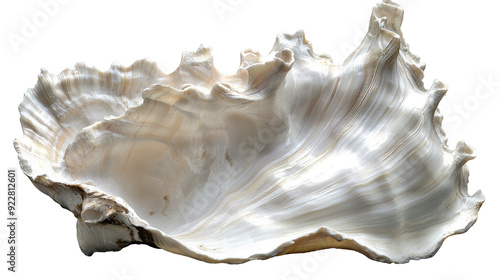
(290, 154)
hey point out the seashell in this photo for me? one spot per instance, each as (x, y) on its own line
(290, 154)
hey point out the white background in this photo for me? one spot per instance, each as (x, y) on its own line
(457, 39)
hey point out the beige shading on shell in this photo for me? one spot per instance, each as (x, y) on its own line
(290, 154)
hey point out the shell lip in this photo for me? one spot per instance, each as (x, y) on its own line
(118, 207)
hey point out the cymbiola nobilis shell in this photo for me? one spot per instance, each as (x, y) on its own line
(290, 154)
